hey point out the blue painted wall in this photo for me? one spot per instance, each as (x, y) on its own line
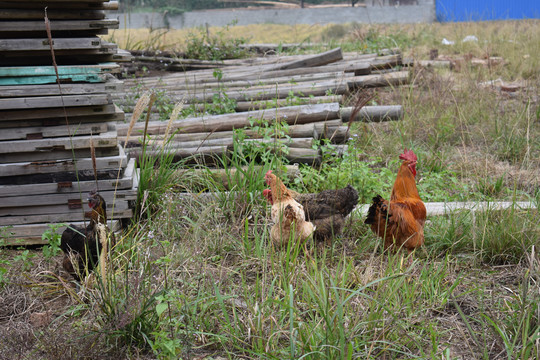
(477, 10)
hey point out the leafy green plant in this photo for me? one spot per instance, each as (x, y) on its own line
(52, 237)
(25, 257)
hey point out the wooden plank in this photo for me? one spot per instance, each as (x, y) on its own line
(54, 101)
(54, 14)
(255, 74)
(103, 50)
(112, 85)
(14, 71)
(294, 131)
(56, 5)
(374, 113)
(60, 25)
(315, 60)
(56, 218)
(59, 1)
(73, 114)
(291, 114)
(60, 208)
(212, 87)
(56, 155)
(104, 140)
(306, 143)
(441, 208)
(276, 103)
(62, 57)
(379, 80)
(265, 92)
(43, 44)
(124, 182)
(51, 79)
(31, 234)
(32, 201)
(54, 131)
(104, 164)
(117, 117)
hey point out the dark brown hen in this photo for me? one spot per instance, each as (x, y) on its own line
(81, 244)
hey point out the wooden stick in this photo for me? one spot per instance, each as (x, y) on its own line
(292, 115)
(374, 113)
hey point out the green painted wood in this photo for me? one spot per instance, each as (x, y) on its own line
(49, 70)
(37, 80)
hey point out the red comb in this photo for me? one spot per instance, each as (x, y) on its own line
(408, 155)
(268, 172)
(267, 193)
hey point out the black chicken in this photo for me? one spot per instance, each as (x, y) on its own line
(327, 210)
(81, 244)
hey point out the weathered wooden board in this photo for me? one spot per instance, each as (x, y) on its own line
(58, 1)
(125, 181)
(294, 155)
(73, 200)
(54, 101)
(13, 76)
(230, 85)
(101, 51)
(260, 93)
(43, 44)
(57, 218)
(293, 115)
(81, 165)
(53, 115)
(377, 80)
(306, 143)
(311, 130)
(55, 155)
(76, 207)
(110, 86)
(50, 79)
(50, 70)
(256, 75)
(61, 25)
(54, 131)
(374, 113)
(31, 234)
(103, 140)
(441, 208)
(54, 14)
(314, 60)
(55, 5)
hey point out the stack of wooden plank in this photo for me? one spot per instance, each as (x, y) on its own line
(53, 118)
(75, 26)
(306, 92)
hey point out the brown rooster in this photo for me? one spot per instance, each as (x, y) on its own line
(84, 245)
(400, 221)
(287, 214)
(327, 210)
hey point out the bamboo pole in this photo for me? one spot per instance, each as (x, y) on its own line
(292, 115)
(374, 113)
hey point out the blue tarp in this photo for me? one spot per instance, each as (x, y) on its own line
(479, 10)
